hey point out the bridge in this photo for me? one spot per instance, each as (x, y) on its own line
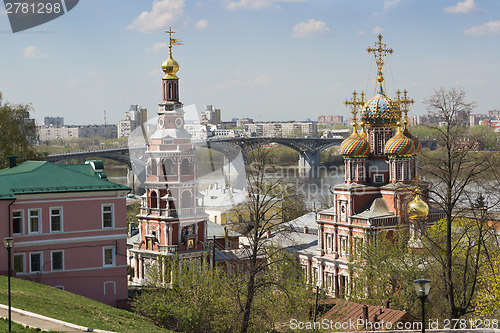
(308, 148)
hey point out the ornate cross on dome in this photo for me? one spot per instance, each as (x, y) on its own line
(380, 51)
(354, 103)
(404, 103)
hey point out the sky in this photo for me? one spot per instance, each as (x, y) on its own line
(263, 59)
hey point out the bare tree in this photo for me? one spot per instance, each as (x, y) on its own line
(453, 170)
(261, 215)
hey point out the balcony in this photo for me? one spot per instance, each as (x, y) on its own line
(168, 248)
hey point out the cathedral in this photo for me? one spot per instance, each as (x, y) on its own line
(172, 223)
(379, 187)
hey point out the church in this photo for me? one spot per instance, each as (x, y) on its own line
(172, 222)
(379, 187)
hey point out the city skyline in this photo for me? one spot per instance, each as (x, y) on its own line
(262, 59)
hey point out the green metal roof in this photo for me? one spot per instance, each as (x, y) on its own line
(46, 177)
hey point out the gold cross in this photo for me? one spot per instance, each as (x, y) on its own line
(380, 51)
(404, 103)
(170, 32)
(354, 103)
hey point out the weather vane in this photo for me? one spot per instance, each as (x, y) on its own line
(173, 41)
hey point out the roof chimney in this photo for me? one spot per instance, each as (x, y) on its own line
(387, 303)
(365, 313)
(12, 161)
(306, 229)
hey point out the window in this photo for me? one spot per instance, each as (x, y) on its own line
(343, 210)
(34, 221)
(35, 262)
(17, 222)
(108, 254)
(57, 260)
(19, 263)
(378, 179)
(185, 167)
(107, 216)
(343, 245)
(55, 219)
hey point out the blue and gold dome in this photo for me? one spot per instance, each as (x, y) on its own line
(380, 111)
(399, 145)
(355, 146)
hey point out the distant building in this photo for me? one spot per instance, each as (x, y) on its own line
(241, 122)
(69, 227)
(282, 129)
(494, 113)
(331, 119)
(53, 121)
(134, 117)
(70, 132)
(211, 115)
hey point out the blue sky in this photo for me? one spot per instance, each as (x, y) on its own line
(264, 59)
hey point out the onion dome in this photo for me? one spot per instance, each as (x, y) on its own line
(399, 145)
(417, 209)
(380, 111)
(414, 139)
(354, 146)
(170, 66)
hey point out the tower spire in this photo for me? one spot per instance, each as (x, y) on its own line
(380, 51)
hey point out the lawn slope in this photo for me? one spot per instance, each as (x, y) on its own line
(72, 308)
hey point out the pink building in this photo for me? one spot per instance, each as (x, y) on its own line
(69, 227)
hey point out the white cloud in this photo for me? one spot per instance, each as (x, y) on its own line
(377, 30)
(164, 13)
(201, 24)
(257, 4)
(490, 28)
(360, 32)
(34, 52)
(391, 3)
(310, 28)
(159, 46)
(462, 7)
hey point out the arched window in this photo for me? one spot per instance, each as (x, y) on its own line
(164, 91)
(186, 201)
(175, 91)
(185, 167)
(167, 167)
(170, 91)
(153, 200)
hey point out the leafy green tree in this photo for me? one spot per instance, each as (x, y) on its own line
(17, 133)
(474, 245)
(384, 269)
(485, 137)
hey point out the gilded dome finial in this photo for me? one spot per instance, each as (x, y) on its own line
(380, 51)
(417, 209)
(170, 67)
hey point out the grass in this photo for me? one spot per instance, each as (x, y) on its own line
(72, 308)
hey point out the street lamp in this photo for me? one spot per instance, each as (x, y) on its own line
(9, 243)
(422, 288)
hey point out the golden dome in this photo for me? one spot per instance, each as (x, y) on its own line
(417, 209)
(170, 66)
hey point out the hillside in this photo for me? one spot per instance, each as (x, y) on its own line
(72, 308)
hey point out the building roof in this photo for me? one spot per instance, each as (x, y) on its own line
(308, 220)
(223, 198)
(377, 209)
(219, 231)
(343, 311)
(45, 177)
(296, 241)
